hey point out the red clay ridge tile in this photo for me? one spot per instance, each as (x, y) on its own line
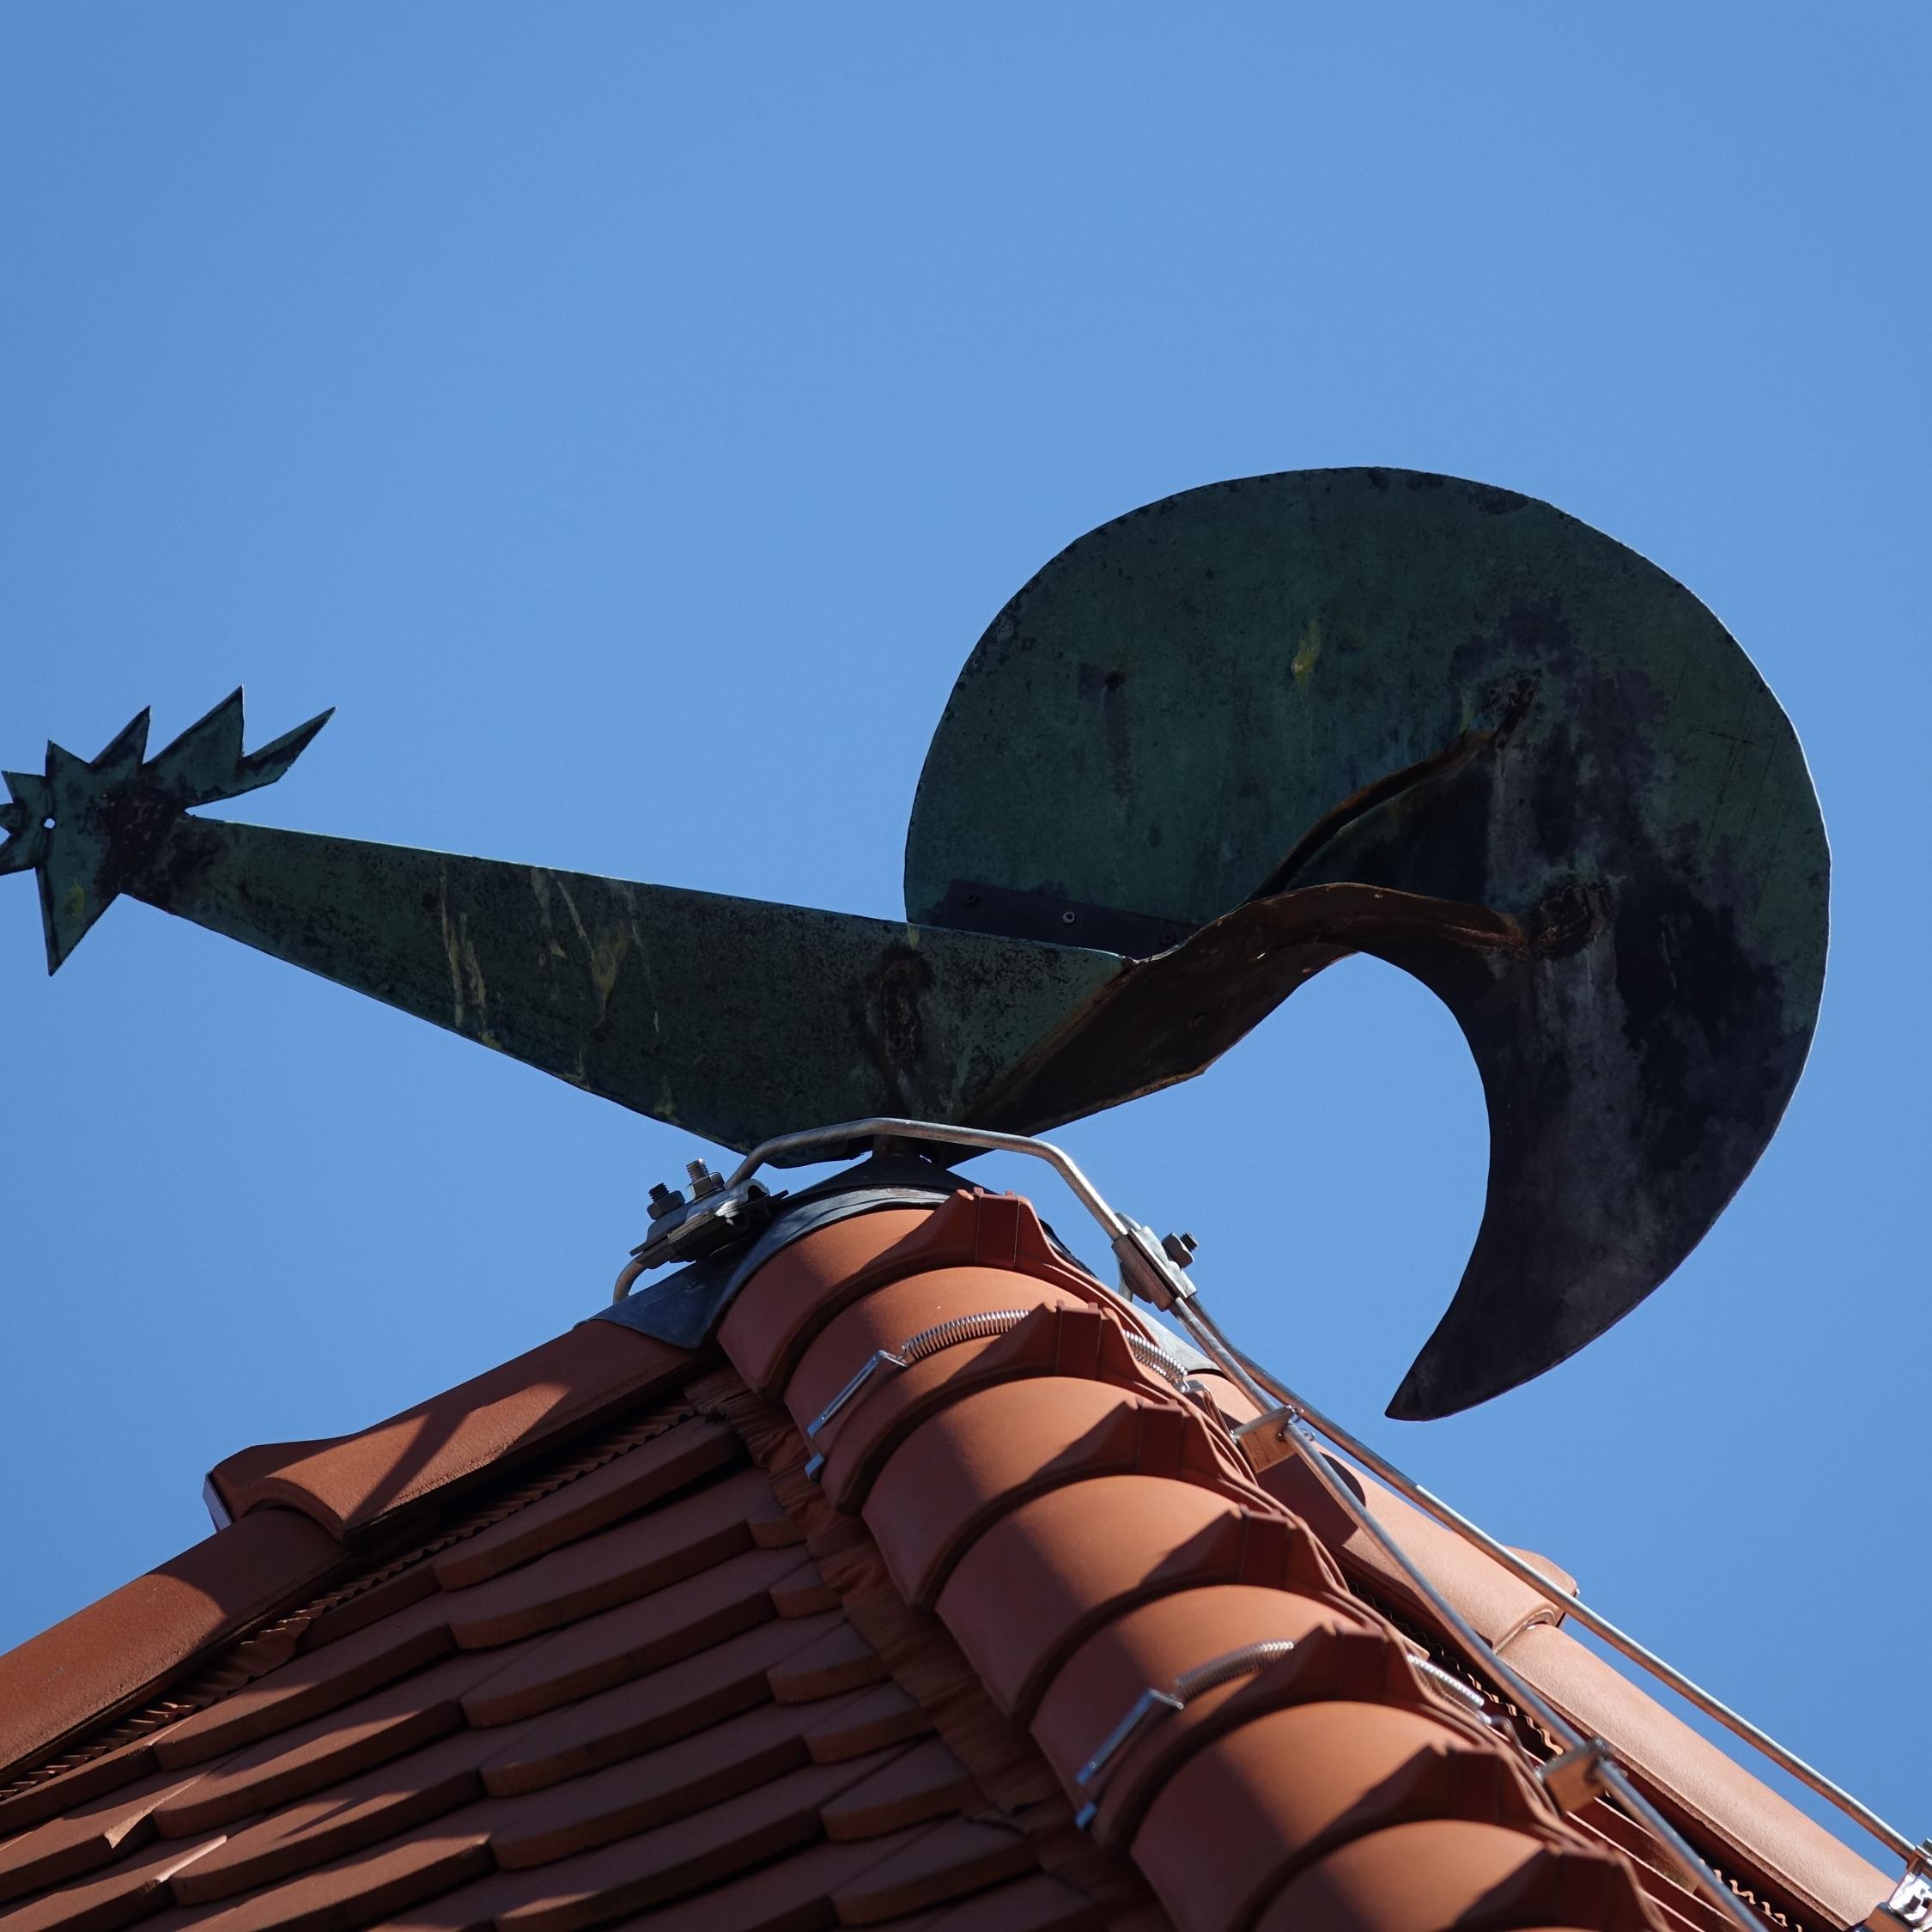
(981, 1456)
(634, 1639)
(144, 1634)
(1696, 1782)
(890, 1317)
(776, 1313)
(1062, 1335)
(1050, 1571)
(1335, 1664)
(1493, 1600)
(488, 1423)
(1291, 1785)
(772, 1314)
(1481, 1878)
(1151, 1645)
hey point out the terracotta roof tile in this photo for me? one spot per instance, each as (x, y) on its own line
(990, 1493)
(925, 1783)
(1035, 1903)
(774, 1313)
(856, 1441)
(779, 1311)
(130, 1890)
(1151, 1646)
(615, 1566)
(804, 1592)
(621, 1488)
(1481, 1878)
(367, 1810)
(717, 1843)
(367, 1887)
(882, 1715)
(145, 1634)
(957, 1857)
(1696, 1782)
(982, 1455)
(328, 1749)
(651, 1711)
(839, 1660)
(484, 1426)
(794, 1895)
(375, 1596)
(599, 1650)
(312, 1684)
(92, 1835)
(623, 1755)
(1496, 1603)
(643, 1636)
(709, 1768)
(1023, 1597)
(1283, 1790)
(109, 1770)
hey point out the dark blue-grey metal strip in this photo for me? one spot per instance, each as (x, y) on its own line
(684, 1308)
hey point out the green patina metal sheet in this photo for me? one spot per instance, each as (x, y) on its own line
(732, 1017)
(1256, 693)
(1180, 697)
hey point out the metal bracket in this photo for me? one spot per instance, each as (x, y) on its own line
(1148, 1268)
(1573, 1779)
(915, 1348)
(1154, 1703)
(714, 1216)
(1266, 1440)
(1910, 1904)
(982, 1327)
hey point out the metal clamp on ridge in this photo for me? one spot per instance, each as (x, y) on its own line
(1576, 1777)
(914, 1348)
(979, 1327)
(1154, 1703)
(713, 1217)
(1153, 1268)
(1911, 1903)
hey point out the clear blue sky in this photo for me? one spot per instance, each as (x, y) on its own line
(629, 416)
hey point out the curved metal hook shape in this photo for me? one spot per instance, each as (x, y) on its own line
(1369, 710)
